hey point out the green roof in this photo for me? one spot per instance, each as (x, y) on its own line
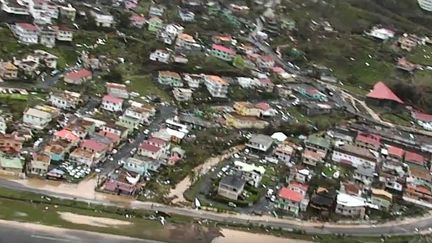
(320, 141)
(12, 163)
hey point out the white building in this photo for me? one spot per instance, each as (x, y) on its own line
(181, 94)
(186, 15)
(65, 100)
(2, 125)
(381, 33)
(160, 55)
(26, 33)
(36, 118)
(348, 205)
(117, 90)
(64, 34)
(425, 4)
(354, 156)
(217, 86)
(143, 113)
(250, 172)
(103, 20)
(111, 103)
(68, 12)
(16, 7)
(260, 142)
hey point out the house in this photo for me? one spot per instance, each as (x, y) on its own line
(193, 80)
(181, 94)
(46, 58)
(122, 181)
(186, 15)
(63, 33)
(93, 146)
(405, 65)
(26, 33)
(302, 175)
(131, 123)
(422, 119)
(351, 188)
(231, 187)
(351, 206)
(195, 122)
(364, 174)
(260, 142)
(169, 134)
(65, 99)
(81, 127)
(354, 156)
(368, 141)
(314, 109)
(283, 152)
(117, 90)
(103, 20)
(186, 42)
(419, 174)
(312, 158)
(217, 86)
(120, 131)
(82, 156)
(11, 143)
(155, 24)
(160, 55)
(36, 118)
(11, 165)
(408, 42)
(169, 78)
(251, 173)
(265, 62)
(419, 191)
(78, 76)
(39, 164)
(3, 125)
(67, 135)
(311, 93)
(68, 12)
(241, 122)
(150, 151)
(381, 33)
(291, 199)
(47, 36)
(170, 32)
(8, 71)
(415, 159)
(381, 198)
(381, 95)
(57, 149)
(395, 153)
(142, 113)
(111, 103)
(175, 156)
(137, 21)
(15, 7)
(156, 10)
(323, 200)
(142, 166)
(222, 52)
(317, 144)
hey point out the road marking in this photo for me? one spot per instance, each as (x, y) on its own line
(50, 238)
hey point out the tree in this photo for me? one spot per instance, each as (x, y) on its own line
(124, 20)
(114, 75)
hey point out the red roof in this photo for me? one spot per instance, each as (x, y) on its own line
(369, 138)
(93, 145)
(263, 106)
(396, 152)
(266, 58)
(422, 116)
(223, 49)
(290, 195)
(67, 135)
(28, 27)
(112, 99)
(301, 186)
(156, 141)
(149, 147)
(112, 136)
(80, 74)
(414, 158)
(382, 92)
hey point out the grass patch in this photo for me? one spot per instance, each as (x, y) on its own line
(144, 85)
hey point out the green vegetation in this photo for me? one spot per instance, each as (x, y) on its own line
(144, 85)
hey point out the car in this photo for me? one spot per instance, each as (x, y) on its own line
(231, 204)
(146, 132)
(97, 170)
(132, 152)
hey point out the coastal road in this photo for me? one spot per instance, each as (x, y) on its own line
(408, 226)
(11, 231)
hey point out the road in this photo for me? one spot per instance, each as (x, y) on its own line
(164, 113)
(399, 227)
(33, 233)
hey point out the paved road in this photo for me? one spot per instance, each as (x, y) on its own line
(33, 233)
(405, 227)
(164, 113)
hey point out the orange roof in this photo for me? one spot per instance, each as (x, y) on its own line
(67, 135)
(290, 195)
(217, 79)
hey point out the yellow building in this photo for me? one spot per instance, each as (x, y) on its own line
(246, 109)
(8, 71)
(241, 122)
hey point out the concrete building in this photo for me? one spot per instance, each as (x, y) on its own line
(260, 142)
(217, 86)
(425, 4)
(231, 187)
